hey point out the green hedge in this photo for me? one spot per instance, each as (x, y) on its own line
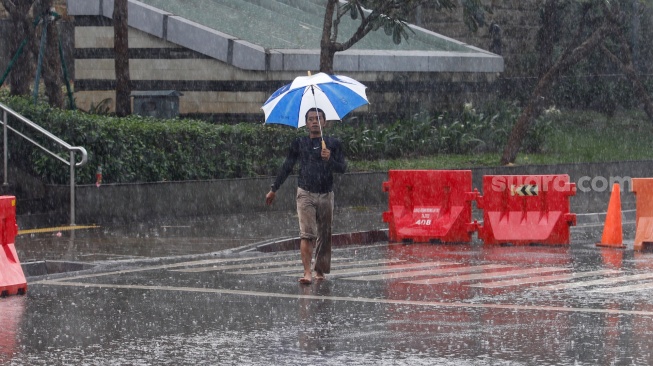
(138, 149)
(143, 149)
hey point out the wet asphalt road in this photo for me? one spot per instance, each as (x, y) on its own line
(395, 304)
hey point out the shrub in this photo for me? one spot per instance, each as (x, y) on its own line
(144, 149)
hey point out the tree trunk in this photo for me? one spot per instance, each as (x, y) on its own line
(327, 50)
(326, 60)
(121, 49)
(531, 111)
(52, 72)
(22, 72)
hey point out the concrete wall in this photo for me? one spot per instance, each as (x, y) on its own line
(124, 203)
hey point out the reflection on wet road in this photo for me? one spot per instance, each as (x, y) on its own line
(382, 304)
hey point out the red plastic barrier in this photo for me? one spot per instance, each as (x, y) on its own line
(643, 189)
(12, 278)
(429, 206)
(526, 209)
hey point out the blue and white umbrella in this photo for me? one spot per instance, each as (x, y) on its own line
(336, 95)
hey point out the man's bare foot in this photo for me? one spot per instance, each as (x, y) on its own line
(306, 280)
(319, 276)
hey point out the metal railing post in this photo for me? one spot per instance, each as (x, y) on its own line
(71, 149)
(72, 188)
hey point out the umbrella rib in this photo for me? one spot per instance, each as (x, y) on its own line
(312, 86)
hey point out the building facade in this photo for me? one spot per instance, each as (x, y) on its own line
(225, 72)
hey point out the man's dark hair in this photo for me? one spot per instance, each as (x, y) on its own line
(317, 110)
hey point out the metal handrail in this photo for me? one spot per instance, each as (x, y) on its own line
(71, 149)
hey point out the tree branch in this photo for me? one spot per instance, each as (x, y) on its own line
(366, 25)
(544, 84)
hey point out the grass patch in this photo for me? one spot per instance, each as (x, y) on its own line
(593, 137)
(574, 137)
(439, 162)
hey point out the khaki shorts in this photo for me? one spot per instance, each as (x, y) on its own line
(315, 211)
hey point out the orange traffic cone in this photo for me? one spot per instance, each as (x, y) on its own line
(612, 230)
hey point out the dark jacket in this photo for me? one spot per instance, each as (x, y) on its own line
(315, 174)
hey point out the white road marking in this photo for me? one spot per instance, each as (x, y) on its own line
(605, 281)
(237, 266)
(299, 268)
(389, 268)
(540, 279)
(483, 276)
(431, 272)
(434, 304)
(620, 289)
(248, 265)
(163, 266)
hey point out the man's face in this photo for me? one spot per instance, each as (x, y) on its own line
(313, 122)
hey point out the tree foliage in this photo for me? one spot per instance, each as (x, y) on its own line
(600, 27)
(389, 15)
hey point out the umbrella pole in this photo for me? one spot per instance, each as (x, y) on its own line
(319, 123)
(321, 135)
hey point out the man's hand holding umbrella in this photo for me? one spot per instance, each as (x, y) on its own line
(326, 154)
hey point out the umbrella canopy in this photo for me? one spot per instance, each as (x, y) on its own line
(336, 95)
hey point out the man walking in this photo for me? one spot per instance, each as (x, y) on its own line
(319, 157)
